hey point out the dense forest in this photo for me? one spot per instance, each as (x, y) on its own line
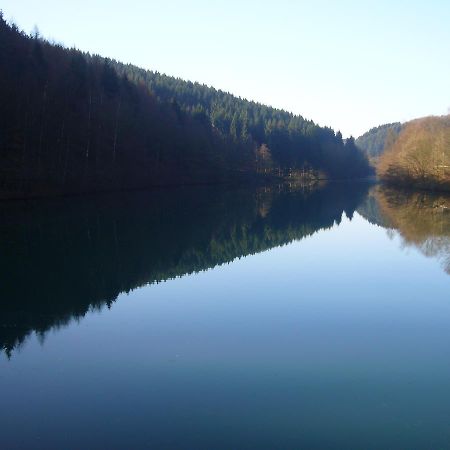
(420, 156)
(374, 141)
(73, 122)
(118, 242)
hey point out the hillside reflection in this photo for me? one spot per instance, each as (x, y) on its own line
(422, 219)
(60, 259)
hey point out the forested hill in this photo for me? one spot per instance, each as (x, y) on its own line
(374, 141)
(293, 142)
(72, 122)
(420, 156)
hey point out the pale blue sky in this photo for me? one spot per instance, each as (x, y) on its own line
(347, 64)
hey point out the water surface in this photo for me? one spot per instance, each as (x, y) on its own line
(214, 318)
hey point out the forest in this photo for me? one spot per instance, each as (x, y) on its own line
(420, 156)
(72, 122)
(374, 141)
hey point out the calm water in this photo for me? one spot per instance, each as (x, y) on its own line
(205, 318)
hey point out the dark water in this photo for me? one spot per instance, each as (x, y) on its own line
(206, 318)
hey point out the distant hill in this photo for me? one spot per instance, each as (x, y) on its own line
(73, 122)
(373, 141)
(420, 156)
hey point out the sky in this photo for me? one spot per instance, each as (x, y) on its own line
(348, 64)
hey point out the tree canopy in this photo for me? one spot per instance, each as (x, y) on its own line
(374, 141)
(420, 156)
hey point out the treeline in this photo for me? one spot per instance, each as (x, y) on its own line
(374, 141)
(74, 122)
(118, 242)
(70, 123)
(281, 140)
(420, 156)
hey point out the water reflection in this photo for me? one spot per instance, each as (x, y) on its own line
(59, 259)
(421, 218)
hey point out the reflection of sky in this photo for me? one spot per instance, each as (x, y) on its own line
(342, 334)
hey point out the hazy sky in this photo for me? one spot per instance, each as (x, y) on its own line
(348, 64)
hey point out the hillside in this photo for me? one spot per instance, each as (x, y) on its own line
(373, 142)
(420, 156)
(73, 122)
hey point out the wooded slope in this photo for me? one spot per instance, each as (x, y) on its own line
(374, 141)
(73, 122)
(420, 156)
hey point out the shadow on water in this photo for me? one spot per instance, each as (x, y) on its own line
(60, 259)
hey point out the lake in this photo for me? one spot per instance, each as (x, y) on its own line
(214, 318)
